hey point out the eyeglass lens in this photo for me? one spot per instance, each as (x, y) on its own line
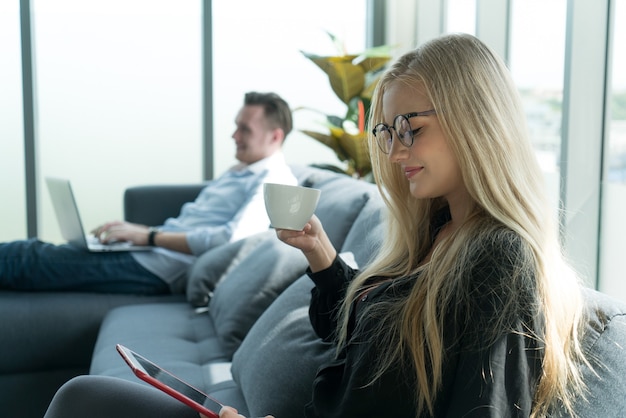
(403, 130)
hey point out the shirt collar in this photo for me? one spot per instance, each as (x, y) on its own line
(277, 158)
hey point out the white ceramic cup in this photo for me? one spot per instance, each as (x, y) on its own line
(290, 207)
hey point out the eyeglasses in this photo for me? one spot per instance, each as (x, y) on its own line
(403, 129)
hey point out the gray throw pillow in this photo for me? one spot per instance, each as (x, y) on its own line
(251, 286)
(277, 362)
(211, 267)
(340, 203)
(368, 230)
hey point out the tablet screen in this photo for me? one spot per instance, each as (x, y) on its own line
(171, 381)
(167, 382)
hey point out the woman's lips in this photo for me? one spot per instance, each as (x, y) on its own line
(411, 171)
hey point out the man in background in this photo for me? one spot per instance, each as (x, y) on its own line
(229, 208)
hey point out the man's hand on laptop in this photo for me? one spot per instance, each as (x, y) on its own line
(117, 231)
(140, 235)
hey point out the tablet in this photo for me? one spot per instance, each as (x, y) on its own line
(170, 384)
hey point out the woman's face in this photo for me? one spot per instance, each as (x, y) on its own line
(429, 165)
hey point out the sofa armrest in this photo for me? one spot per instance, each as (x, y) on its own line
(153, 204)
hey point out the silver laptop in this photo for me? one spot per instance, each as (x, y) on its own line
(71, 226)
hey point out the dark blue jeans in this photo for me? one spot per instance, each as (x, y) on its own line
(34, 265)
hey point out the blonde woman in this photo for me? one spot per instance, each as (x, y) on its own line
(469, 309)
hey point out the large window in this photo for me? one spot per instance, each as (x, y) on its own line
(257, 47)
(537, 65)
(119, 91)
(614, 184)
(556, 53)
(118, 99)
(461, 16)
(119, 95)
(12, 189)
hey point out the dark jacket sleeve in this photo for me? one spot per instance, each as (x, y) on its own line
(329, 291)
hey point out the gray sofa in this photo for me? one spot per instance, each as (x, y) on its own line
(241, 331)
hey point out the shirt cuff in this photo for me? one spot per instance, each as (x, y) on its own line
(332, 277)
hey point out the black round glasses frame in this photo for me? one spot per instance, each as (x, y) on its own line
(402, 126)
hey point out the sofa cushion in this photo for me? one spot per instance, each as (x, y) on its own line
(214, 265)
(251, 286)
(172, 335)
(277, 362)
(340, 203)
(367, 231)
(48, 338)
(604, 347)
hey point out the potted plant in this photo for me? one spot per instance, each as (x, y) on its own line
(353, 78)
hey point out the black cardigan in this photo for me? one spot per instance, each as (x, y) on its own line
(481, 377)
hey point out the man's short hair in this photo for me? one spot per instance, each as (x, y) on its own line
(275, 108)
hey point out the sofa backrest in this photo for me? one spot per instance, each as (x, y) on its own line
(341, 201)
(604, 344)
(275, 365)
(281, 350)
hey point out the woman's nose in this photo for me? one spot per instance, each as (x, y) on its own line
(398, 152)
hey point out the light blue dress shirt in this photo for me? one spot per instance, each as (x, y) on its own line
(229, 208)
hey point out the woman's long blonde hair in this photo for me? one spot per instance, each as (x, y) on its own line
(479, 111)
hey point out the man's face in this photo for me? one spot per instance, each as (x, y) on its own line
(253, 138)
